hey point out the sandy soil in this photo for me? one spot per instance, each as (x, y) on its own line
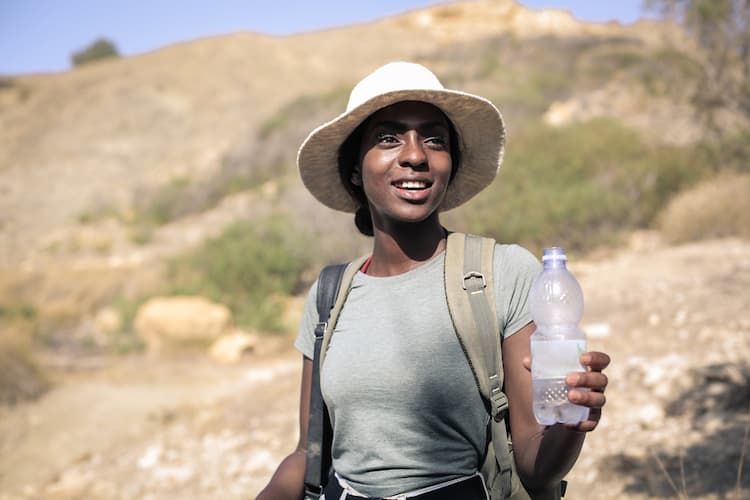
(676, 321)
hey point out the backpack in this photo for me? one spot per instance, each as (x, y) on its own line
(470, 295)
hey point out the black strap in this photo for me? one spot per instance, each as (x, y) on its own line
(318, 427)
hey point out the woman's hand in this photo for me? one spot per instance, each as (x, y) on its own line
(587, 388)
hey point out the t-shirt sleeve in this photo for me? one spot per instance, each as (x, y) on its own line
(515, 270)
(305, 342)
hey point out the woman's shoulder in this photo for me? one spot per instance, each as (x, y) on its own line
(513, 260)
(514, 252)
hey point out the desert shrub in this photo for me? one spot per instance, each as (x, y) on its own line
(154, 207)
(98, 49)
(304, 105)
(609, 59)
(182, 196)
(579, 186)
(124, 340)
(17, 311)
(717, 207)
(245, 267)
(669, 72)
(730, 153)
(21, 378)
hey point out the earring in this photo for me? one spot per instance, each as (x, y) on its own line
(356, 178)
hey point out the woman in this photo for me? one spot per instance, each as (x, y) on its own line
(406, 413)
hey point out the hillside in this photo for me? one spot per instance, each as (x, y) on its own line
(98, 137)
(110, 169)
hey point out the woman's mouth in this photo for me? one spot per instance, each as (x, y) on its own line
(412, 185)
(413, 190)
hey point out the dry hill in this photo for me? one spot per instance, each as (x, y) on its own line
(109, 168)
(99, 136)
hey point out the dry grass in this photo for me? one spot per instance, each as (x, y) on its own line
(716, 208)
(681, 492)
(21, 378)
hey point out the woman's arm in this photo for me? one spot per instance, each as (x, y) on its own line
(544, 455)
(288, 480)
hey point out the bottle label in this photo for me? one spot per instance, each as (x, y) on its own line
(556, 358)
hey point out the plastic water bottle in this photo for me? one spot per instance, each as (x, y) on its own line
(556, 302)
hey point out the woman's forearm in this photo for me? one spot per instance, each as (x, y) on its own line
(551, 454)
(287, 482)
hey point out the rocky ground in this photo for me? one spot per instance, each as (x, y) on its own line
(674, 319)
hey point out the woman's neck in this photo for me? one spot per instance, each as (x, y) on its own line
(399, 248)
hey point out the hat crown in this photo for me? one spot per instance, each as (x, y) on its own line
(393, 77)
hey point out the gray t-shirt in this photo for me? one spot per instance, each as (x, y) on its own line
(406, 411)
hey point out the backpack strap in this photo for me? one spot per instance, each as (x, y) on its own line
(318, 427)
(344, 286)
(470, 295)
(329, 302)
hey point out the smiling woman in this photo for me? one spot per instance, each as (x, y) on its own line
(408, 420)
(402, 165)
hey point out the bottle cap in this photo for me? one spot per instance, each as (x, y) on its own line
(554, 253)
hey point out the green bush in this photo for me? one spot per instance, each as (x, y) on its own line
(125, 340)
(166, 203)
(156, 206)
(99, 49)
(17, 311)
(579, 186)
(246, 267)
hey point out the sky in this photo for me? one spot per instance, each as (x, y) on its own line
(39, 36)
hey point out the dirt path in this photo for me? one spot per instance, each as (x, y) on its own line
(177, 429)
(675, 320)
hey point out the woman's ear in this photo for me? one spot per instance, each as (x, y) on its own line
(356, 177)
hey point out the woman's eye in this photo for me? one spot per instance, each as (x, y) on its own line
(386, 137)
(437, 141)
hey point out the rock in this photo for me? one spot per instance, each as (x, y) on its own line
(174, 322)
(151, 457)
(650, 415)
(230, 348)
(108, 320)
(72, 484)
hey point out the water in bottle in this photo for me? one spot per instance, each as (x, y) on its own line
(556, 303)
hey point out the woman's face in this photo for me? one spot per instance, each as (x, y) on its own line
(405, 162)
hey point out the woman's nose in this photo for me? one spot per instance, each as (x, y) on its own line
(413, 153)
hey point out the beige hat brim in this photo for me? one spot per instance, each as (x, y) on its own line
(481, 139)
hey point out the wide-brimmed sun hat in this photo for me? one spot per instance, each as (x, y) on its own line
(478, 124)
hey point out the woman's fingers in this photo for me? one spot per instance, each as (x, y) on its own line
(595, 381)
(587, 388)
(587, 398)
(595, 361)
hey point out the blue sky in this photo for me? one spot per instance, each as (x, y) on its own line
(40, 35)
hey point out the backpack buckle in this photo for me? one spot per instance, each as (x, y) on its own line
(473, 288)
(320, 330)
(499, 401)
